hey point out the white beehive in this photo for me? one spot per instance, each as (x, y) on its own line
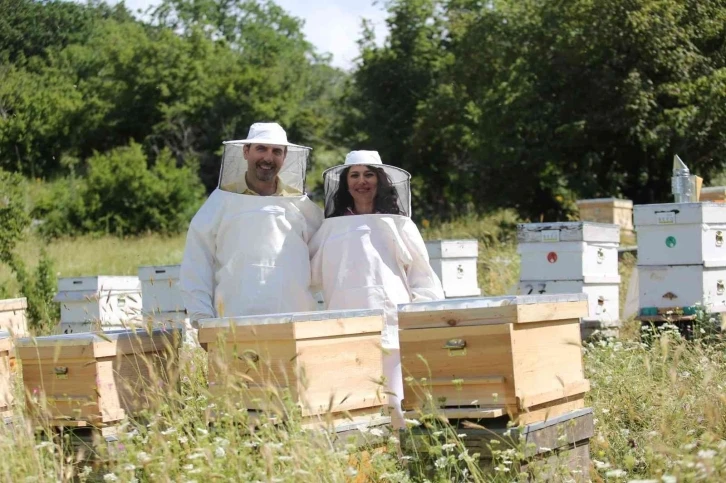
(574, 257)
(455, 263)
(681, 234)
(567, 250)
(98, 302)
(602, 294)
(681, 286)
(160, 289)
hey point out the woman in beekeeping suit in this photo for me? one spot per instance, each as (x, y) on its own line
(369, 254)
(247, 246)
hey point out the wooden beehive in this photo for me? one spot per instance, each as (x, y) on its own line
(97, 378)
(12, 316)
(494, 356)
(608, 210)
(6, 375)
(328, 361)
(713, 193)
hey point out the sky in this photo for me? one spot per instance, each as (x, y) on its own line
(333, 26)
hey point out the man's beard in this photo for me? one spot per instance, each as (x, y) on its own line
(265, 174)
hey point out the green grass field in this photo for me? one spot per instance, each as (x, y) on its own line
(660, 408)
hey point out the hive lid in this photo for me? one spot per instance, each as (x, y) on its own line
(98, 344)
(13, 304)
(615, 202)
(452, 248)
(679, 213)
(300, 325)
(492, 310)
(103, 283)
(587, 231)
(159, 272)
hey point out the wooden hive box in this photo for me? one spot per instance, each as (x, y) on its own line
(713, 193)
(97, 379)
(318, 358)
(6, 375)
(608, 210)
(12, 316)
(493, 356)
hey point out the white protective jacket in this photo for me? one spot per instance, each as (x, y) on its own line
(372, 262)
(248, 255)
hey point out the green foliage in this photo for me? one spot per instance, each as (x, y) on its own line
(121, 195)
(13, 217)
(533, 104)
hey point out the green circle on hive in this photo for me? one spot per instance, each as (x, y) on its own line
(671, 241)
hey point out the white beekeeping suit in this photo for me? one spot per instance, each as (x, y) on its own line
(247, 254)
(376, 260)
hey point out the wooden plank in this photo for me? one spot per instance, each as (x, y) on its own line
(457, 318)
(568, 390)
(345, 371)
(462, 413)
(338, 327)
(246, 333)
(552, 312)
(487, 358)
(547, 356)
(551, 410)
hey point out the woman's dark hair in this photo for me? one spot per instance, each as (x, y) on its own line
(385, 202)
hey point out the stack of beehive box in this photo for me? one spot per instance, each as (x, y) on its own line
(574, 257)
(89, 379)
(12, 316)
(162, 303)
(498, 361)
(681, 259)
(613, 211)
(713, 193)
(455, 263)
(329, 364)
(98, 303)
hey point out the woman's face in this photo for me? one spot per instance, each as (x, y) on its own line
(362, 184)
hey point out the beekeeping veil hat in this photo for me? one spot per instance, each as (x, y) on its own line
(394, 185)
(235, 166)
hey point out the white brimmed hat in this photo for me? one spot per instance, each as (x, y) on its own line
(234, 166)
(266, 133)
(400, 179)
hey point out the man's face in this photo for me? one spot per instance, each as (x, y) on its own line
(264, 161)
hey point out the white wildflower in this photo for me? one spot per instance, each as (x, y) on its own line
(168, 432)
(251, 444)
(722, 444)
(195, 456)
(86, 471)
(351, 471)
(688, 447)
(143, 457)
(45, 444)
(706, 454)
(600, 465)
(188, 467)
(463, 435)
(129, 467)
(110, 477)
(203, 431)
(406, 458)
(669, 479)
(448, 446)
(284, 458)
(436, 434)
(545, 449)
(219, 452)
(393, 440)
(605, 410)
(616, 474)
(440, 462)
(274, 445)
(376, 432)
(413, 422)
(183, 440)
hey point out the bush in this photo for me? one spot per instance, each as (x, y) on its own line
(120, 195)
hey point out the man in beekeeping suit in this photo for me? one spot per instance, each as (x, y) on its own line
(247, 247)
